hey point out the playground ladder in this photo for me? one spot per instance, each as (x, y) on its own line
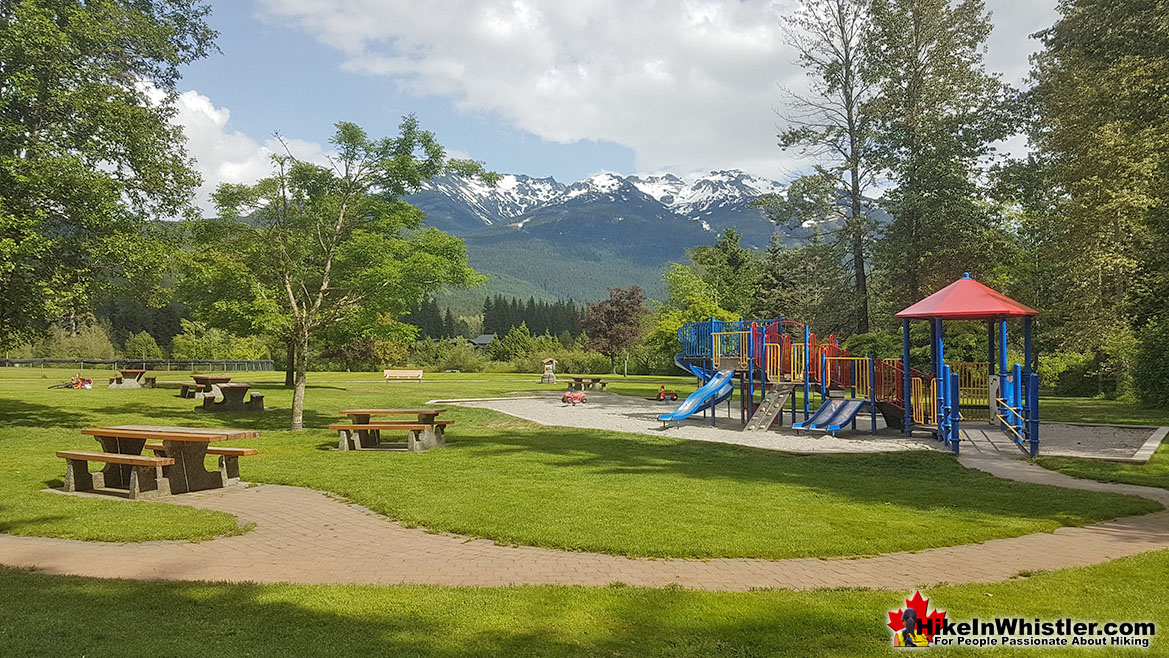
(771, 406)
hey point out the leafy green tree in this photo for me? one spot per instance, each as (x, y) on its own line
(730, 269)
(321, 246)
(517, 343)
(87, 148)
(807, 284)
(200, 342)
(937, 111)
(1101, 119)
(831, 123)
(142, 346)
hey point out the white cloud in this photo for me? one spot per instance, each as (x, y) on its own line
(224, 155)
(686, 84)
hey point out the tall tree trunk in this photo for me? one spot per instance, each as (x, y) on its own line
(301, 376)
(858, 250)
(290, 363)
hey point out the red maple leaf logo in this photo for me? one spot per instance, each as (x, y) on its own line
(931, 622)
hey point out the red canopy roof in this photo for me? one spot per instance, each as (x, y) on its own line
(966, 299)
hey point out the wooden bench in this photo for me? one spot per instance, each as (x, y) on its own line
(228, 457)
(142, 475)
(367, 436)
(403, 374)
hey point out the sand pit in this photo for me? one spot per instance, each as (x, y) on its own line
(619, 413)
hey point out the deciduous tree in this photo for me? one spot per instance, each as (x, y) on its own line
(87, 149)
(324, 245)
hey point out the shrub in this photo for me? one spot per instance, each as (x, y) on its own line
(142, 346)
(461, 356)
(884, 346)
(1151, 368)
(90, 342)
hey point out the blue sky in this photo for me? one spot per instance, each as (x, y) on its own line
(565, 89)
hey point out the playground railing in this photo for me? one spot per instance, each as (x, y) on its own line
(924, 401)
(731, 345)
(848, 372)
(973, 388)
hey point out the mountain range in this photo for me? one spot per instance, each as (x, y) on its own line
(537, 237)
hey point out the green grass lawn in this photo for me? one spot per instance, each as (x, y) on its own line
(1153, 474)
(69, 616)
(1099, 410)
(517, 482)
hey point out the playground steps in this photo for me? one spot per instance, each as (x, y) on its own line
(771, 406)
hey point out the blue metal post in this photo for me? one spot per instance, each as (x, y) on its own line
(807, 378)
(940, 354)
(955, 415)
(1033, 414)
(873, 392)
(906, 383)
(1003, 347)
(1017, 399)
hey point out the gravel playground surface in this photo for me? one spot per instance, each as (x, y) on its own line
(606, 411)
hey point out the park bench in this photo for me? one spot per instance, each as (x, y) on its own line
(228, 457)
(403, 374)
(141, 475)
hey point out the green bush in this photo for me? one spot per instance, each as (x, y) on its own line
(1051, 368)
(142, 346)
(1151, 368)
(461, 356)
(90, 342)
(884, 346)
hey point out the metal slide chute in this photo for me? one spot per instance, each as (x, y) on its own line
(718, 388)
(834, 414)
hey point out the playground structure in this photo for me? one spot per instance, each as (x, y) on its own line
(770, 360)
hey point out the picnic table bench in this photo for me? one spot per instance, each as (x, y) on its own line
(581, 383)
(204, 384)
(360, 433)
(403, 374)
(178, 469)
(233, 399)
(131, 378)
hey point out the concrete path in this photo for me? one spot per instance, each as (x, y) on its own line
(305, 536)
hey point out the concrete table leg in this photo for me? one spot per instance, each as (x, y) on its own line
(188, 473)
(117, 475)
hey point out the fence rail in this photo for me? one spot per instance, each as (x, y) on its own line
(145, 364)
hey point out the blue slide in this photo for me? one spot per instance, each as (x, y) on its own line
(834, 414)
(718, 387)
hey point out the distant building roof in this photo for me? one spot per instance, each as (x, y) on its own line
(482, 340)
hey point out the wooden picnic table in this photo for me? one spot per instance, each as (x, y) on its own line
(581, 383)
(187, 446)
(361, 416)
(361, 433)
(204, 385)
(130, 378)
(233, 394)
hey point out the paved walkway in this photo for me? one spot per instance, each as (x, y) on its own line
(305, 536)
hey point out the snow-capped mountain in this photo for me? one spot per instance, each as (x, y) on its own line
(602, 232)
(716, 201)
